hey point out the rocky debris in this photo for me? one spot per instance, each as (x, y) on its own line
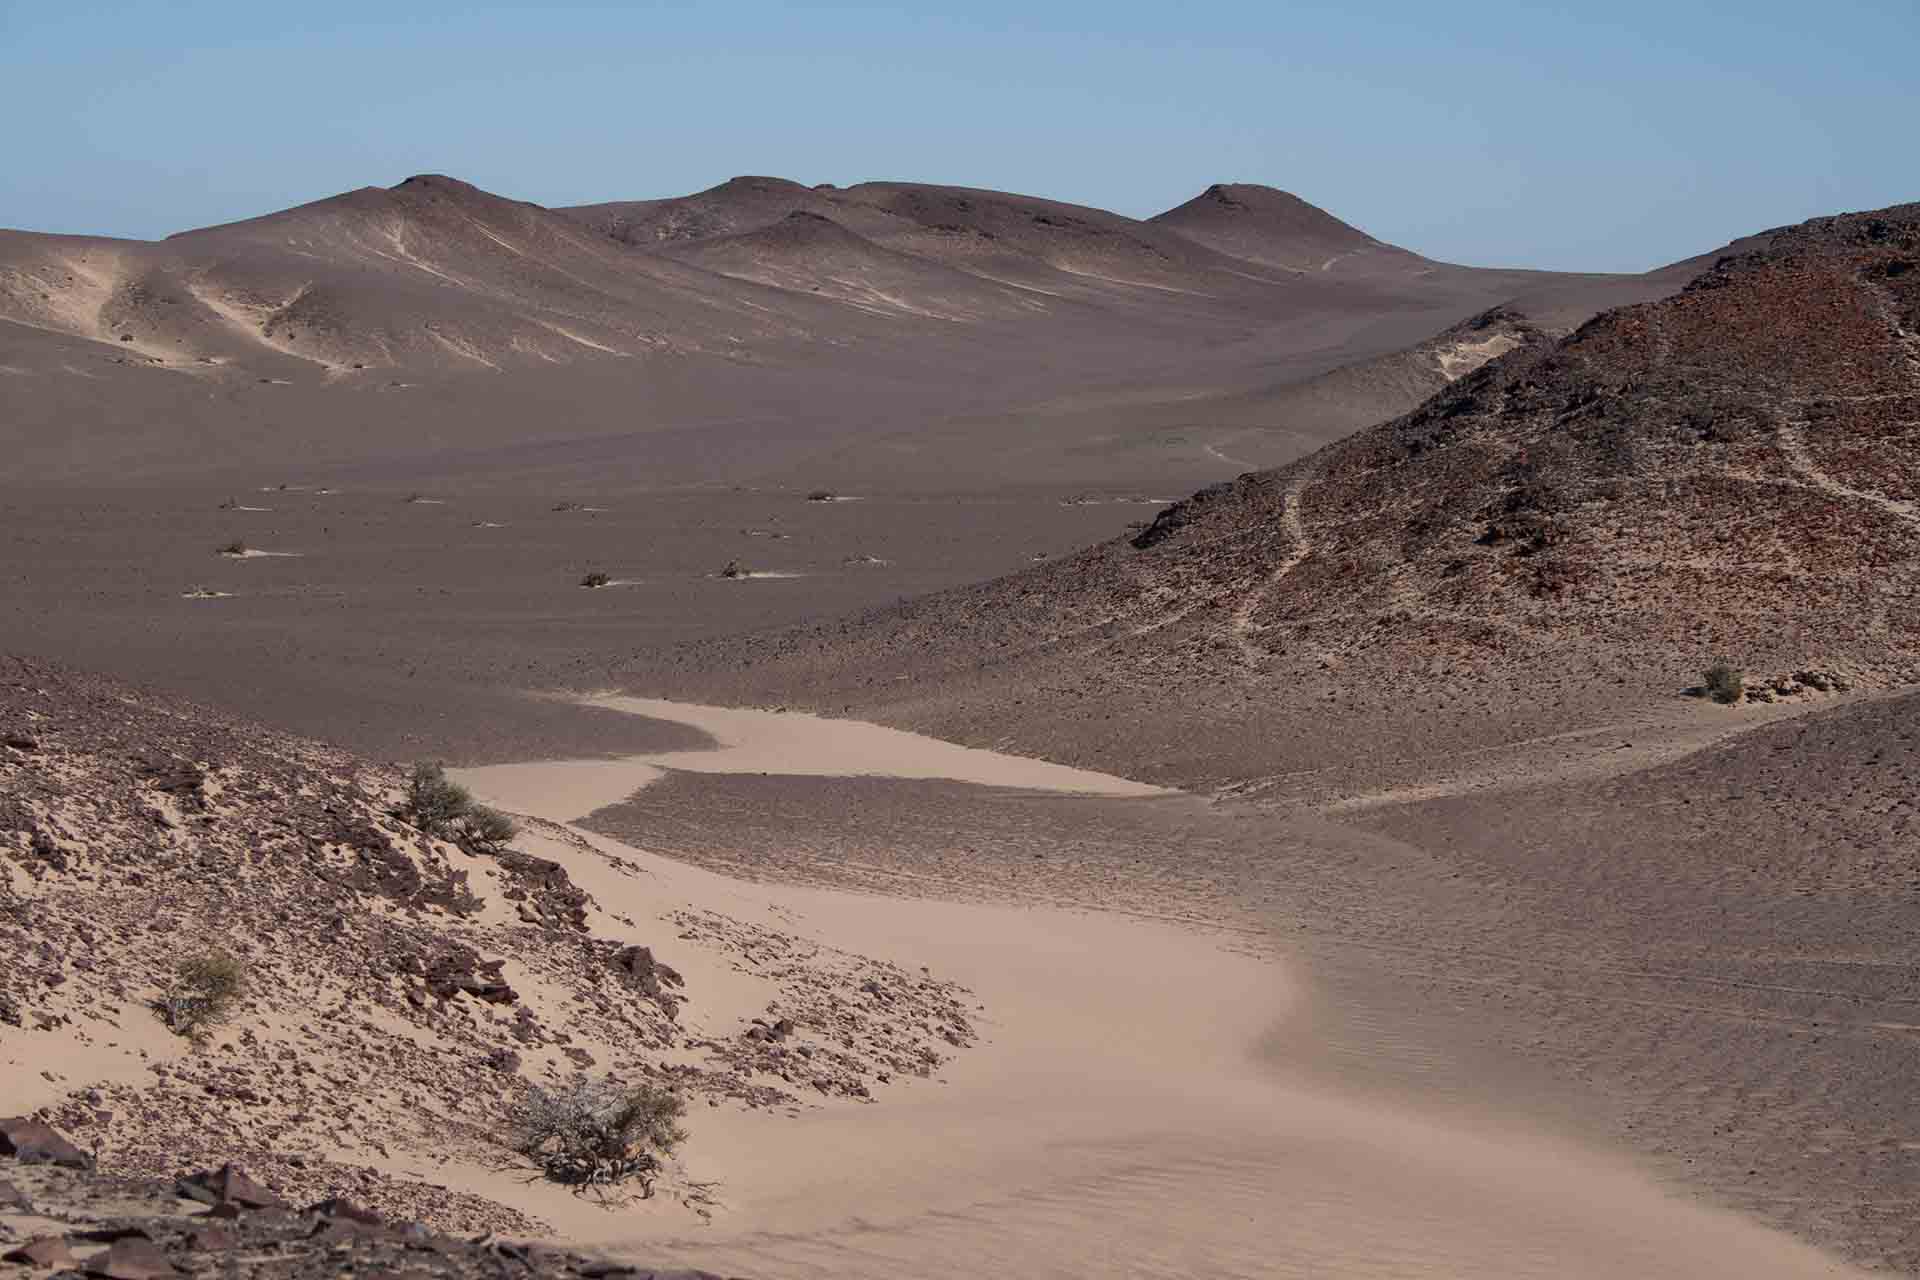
(879, 1023)
(543, 891)
(390, 1009)
(652, 977)
(460, 970)
(118, 1229)
(32, 1142)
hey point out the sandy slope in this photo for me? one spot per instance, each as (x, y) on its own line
(1118, 1121)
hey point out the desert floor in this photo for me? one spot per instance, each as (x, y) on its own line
(1179, 1084)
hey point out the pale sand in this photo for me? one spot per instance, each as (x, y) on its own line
(789, 742)
(1117, 1120)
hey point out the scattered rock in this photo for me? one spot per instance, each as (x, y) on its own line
(132, 1258)
(43, 1251)
(229, 1185)
(31, 1142)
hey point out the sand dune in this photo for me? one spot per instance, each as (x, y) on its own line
(1119, 1120)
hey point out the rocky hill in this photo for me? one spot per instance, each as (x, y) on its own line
(1279, 229)
(402, 991)
(1565, 537)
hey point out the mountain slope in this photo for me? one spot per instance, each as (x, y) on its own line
(1565, 537)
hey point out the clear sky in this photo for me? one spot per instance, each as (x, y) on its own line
(1605, 135)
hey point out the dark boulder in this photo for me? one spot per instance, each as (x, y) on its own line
(228, 1185)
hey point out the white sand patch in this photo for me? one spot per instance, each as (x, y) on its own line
(252, 554)
(488, 524)
(203, 593)
(1462, 358)
(249, 508)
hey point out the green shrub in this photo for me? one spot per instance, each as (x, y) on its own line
(434, 803)
(205, 993)
(1724, 683)
(598, 1133)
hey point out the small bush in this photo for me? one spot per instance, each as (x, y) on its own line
(1724, 683)
(234, 548)
(435, 804)
(487, 829)
(820, 495)
(416, 496)
(598, 1133)
(595, 579)
(735, 569)
(205, 993)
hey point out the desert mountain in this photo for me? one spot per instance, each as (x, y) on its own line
(432, 330)
(1563, 538)
(1279, 229)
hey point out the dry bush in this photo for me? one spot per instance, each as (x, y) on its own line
(234, 548)
(1725, 683)
(598, 1134)
(435, 804)
(487, 830)
(205, 993)
(595, 579)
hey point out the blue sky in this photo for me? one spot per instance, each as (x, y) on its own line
(1612, 136)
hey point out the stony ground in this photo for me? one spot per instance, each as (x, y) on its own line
(68, 1218)
(403, 992)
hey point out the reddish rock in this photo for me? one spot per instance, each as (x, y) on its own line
(46, 1251)
(341, 1208)
(31, 1142)
(133, 1258)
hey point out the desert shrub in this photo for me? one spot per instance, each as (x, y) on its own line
(487, 829)
(595, 579)
(234, 548)
(205, 993)
(416, 496)
(592, 1133)
(735, 569)
(1724, 683)
(435, 804)
(820, 495)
